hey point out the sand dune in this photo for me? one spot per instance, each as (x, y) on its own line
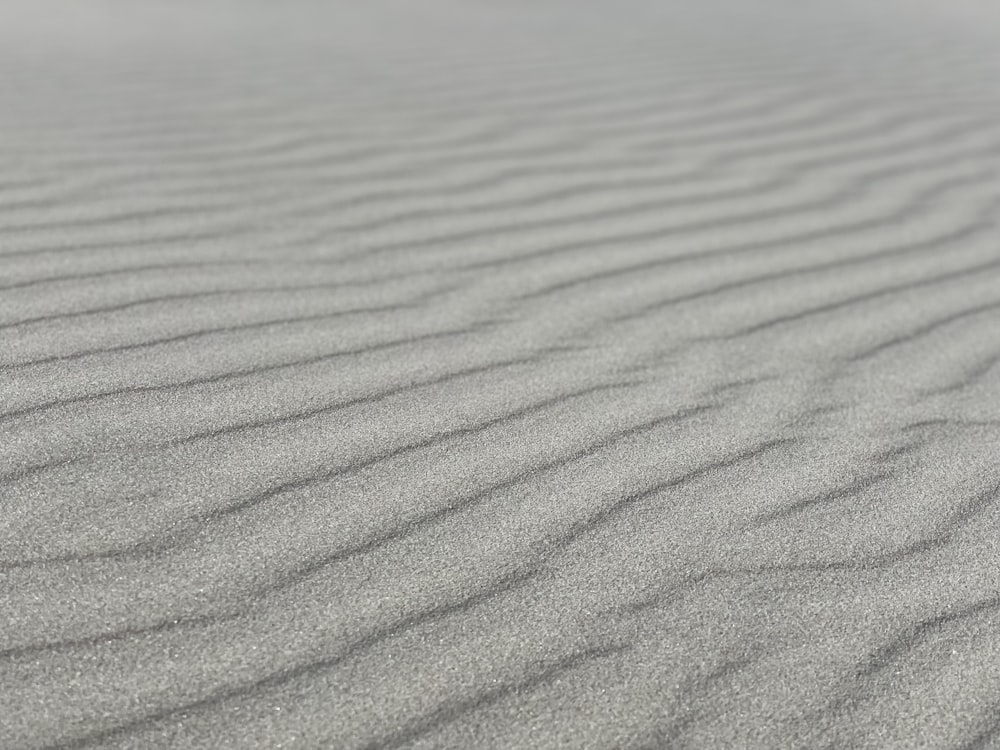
(499, 374)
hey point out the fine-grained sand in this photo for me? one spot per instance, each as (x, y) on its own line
(479, 374)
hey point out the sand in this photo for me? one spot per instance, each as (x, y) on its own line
(499, 374)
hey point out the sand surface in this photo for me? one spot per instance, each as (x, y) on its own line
(479, 374)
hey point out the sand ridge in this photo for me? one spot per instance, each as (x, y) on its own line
(473, 374)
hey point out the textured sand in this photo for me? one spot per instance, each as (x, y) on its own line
(499, 374)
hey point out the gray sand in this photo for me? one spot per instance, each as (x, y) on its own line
(499, 374)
